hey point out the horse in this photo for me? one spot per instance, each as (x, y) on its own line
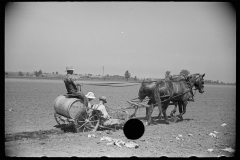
(146, 90)
(175, 91)
(179, 78)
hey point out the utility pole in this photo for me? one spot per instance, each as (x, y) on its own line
(103, 72)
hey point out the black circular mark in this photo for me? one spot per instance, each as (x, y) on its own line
(133, 129)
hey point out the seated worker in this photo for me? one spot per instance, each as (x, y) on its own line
(72, 85)
(100, 106)
(107, 119)
(90, 96)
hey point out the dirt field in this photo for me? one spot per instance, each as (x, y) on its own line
(31, 130)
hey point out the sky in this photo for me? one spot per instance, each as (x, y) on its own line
(145, 38)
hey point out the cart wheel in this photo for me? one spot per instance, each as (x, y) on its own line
(60, 119)
(85, 122)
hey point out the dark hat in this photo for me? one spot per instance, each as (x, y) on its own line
(103, 98)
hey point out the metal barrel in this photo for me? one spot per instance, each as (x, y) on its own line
(68, 107)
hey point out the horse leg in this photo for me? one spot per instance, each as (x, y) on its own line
(164, 112)
(160, 113)
(150, 110)
(174, 110)
(183, 106)
(134, 114)
(147, 113)
(180, 107)
(158, 100)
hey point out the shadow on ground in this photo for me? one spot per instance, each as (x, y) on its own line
(66, 127)
(41, 134)
(155, 120)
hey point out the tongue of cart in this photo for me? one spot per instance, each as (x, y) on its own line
(134, 105)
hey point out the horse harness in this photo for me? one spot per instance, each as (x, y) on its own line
(170, 97)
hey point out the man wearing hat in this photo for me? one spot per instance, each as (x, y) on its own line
(107, 119)
(72, 85)
(90, 96)
(100, 106)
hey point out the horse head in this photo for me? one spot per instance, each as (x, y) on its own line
(197, 81)
(146, 89)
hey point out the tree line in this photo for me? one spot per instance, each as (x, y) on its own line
(127, 75)
(36, 73)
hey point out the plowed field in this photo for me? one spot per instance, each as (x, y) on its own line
(31, 130)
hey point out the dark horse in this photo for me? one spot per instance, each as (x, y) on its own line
(146, 90)
(175, 91)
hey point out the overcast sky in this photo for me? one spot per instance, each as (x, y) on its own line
(145, 38)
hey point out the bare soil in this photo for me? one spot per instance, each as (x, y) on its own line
(31, 130)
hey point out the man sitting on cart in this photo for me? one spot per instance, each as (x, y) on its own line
(100, 106)
(106, 119)
(72, 86)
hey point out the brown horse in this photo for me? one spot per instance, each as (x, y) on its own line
(178, 91)
(146, 90)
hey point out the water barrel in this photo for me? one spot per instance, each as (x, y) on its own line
(68, 107)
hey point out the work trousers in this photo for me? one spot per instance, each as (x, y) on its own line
(82, 97)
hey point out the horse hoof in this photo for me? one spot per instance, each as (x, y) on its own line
(160, 117)
(175, 119)
(167, 122)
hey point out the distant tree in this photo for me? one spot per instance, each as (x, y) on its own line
(6, 73)
(127, 75)
(52, 72)
(184, 73)
(56, 72)
(27, 74)
(135, 78)
(20, 73)
(39, 72)
(36, 73)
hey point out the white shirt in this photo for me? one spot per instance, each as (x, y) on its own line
(101, 108)
(89, 105)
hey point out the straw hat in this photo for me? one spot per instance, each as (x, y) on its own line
(90, 95)
(103, 98)
(69, 68)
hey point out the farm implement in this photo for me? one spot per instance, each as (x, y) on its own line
(70, 110)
